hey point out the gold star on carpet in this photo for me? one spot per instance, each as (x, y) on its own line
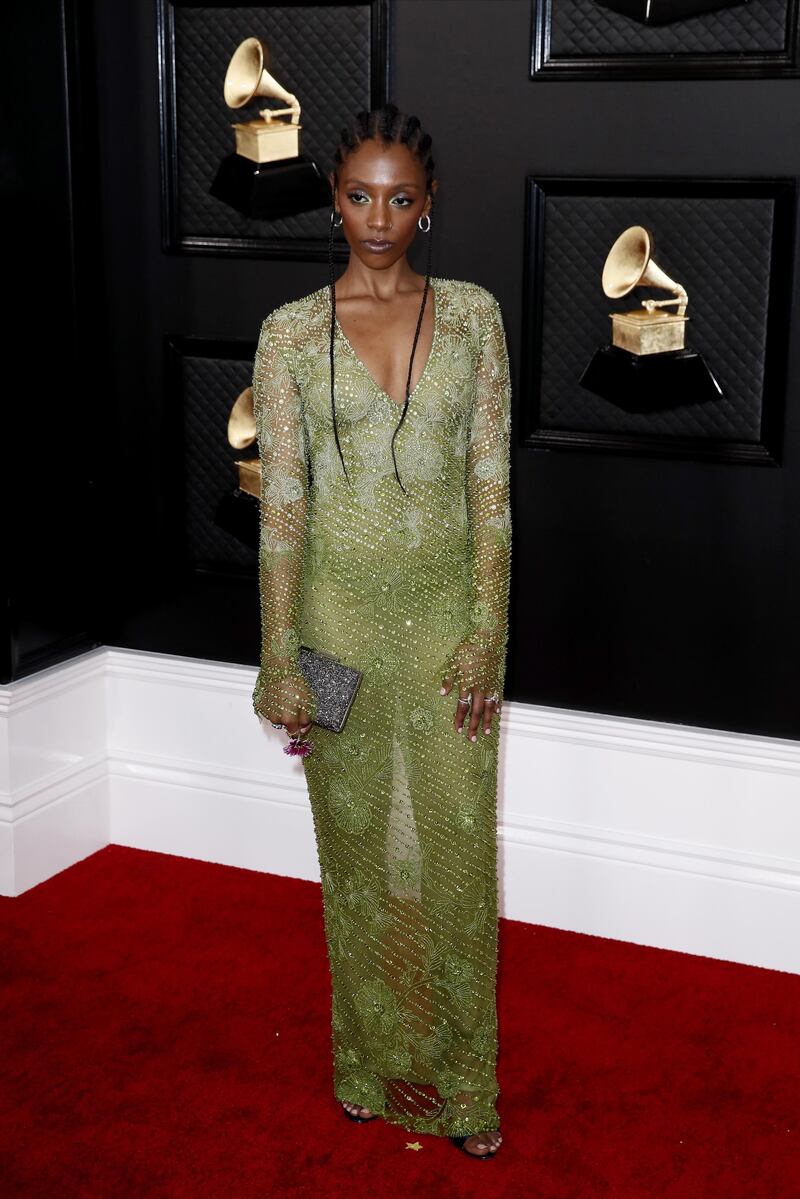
(413, 1145)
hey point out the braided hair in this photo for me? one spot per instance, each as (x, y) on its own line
(386, 124)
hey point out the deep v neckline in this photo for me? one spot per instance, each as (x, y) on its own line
(434, 291)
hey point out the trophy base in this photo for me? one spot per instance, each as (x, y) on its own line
(661, 12)
(650, 382)
(642, 332)
(267, 141)
(250, 476)
(269, 190)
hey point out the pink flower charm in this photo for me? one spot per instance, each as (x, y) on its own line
(298, 748)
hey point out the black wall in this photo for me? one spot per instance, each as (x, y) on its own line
(643, 586)
(55, 403)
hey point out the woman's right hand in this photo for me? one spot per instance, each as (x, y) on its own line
(287, 702)
(294, 721)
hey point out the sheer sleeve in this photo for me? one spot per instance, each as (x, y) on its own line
(480, 660)
(283, 511)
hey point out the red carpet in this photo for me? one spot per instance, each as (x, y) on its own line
(167, 1033)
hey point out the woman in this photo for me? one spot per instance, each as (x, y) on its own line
(385, 541)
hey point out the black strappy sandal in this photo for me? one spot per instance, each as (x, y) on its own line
(359, 1119)
(460, 1142)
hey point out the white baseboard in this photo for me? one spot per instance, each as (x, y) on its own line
(666, 835)
(53, 773)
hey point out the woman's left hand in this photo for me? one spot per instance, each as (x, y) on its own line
(481, 710)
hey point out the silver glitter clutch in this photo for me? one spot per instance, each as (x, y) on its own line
(334, 686)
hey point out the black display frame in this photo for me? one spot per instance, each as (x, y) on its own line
(176, 349)
(281, 247)
(767, 450)
(711, 65)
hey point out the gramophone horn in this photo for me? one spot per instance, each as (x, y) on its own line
(247, 76)
(242, 421)
(629, 264)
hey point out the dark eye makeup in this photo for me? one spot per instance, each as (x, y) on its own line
(353, 194)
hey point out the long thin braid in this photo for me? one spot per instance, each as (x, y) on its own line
(386, 124)
(333, 327)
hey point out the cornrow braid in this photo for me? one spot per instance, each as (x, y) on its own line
(386, 124)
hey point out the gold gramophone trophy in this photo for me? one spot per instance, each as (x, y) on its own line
(267, 176)
(238, 507)
(647, 366)
(242, 435)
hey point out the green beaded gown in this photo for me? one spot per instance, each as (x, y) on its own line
(410, 588)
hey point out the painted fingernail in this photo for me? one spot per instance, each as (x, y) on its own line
(443, 691)
(487, 730)
(473, 737)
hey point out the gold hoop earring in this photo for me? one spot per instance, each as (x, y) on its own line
(424, 217)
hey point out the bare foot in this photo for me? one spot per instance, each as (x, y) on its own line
(355, 1110)
(482, 1143)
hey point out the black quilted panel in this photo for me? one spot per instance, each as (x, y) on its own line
(320, 53)
(582, 28)
(718, 248)
(210, 387)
